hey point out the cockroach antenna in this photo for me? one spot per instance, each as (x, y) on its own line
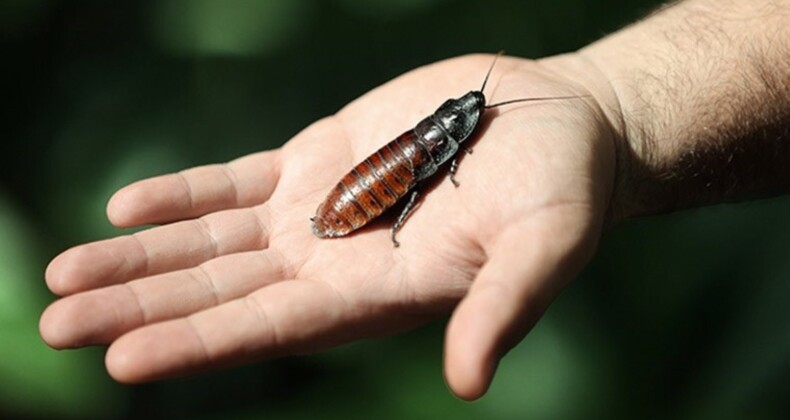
(513, 101)
(491, 68)
(548, 98)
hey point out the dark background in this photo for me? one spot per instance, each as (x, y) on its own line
(682, 316)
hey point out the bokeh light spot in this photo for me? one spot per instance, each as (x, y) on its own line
(226, 28)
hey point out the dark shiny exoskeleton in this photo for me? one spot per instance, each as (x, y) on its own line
(393, 171)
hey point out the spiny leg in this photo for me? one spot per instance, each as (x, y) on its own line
(454, 165)
(407, 210)
(453, 170)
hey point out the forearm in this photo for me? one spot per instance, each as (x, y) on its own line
(702, 91)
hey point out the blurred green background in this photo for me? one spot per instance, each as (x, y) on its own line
(684, 316)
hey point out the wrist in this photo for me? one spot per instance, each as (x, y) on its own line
(703, 92)
(579, 69)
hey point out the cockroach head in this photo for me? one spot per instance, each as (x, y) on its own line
(477, 98)
(459, 117)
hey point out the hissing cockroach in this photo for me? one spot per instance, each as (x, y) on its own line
(388, 175)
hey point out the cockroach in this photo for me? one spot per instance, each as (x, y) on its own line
(398, 168)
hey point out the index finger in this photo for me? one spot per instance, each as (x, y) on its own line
(244, 182)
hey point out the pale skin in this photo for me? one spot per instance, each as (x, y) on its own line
(235, 273)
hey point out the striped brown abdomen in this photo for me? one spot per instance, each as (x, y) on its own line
(371, 187)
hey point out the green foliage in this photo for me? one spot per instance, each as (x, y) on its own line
(34, 380)
(226, 28)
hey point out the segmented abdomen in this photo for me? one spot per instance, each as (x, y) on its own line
(371, 187)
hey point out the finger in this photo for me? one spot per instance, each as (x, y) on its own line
(244, 182)
(288, 317)
(527, 267)
(153, 251)
(100, 316)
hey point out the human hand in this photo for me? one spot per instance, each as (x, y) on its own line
(238, 275)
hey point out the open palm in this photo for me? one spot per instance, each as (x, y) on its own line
(240, 276)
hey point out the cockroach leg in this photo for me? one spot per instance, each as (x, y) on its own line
(453, 170)
(454, 165)
(407, 210)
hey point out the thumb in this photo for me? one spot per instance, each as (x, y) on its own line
(528, 265)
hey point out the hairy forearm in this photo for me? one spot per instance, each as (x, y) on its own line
(702, 92)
